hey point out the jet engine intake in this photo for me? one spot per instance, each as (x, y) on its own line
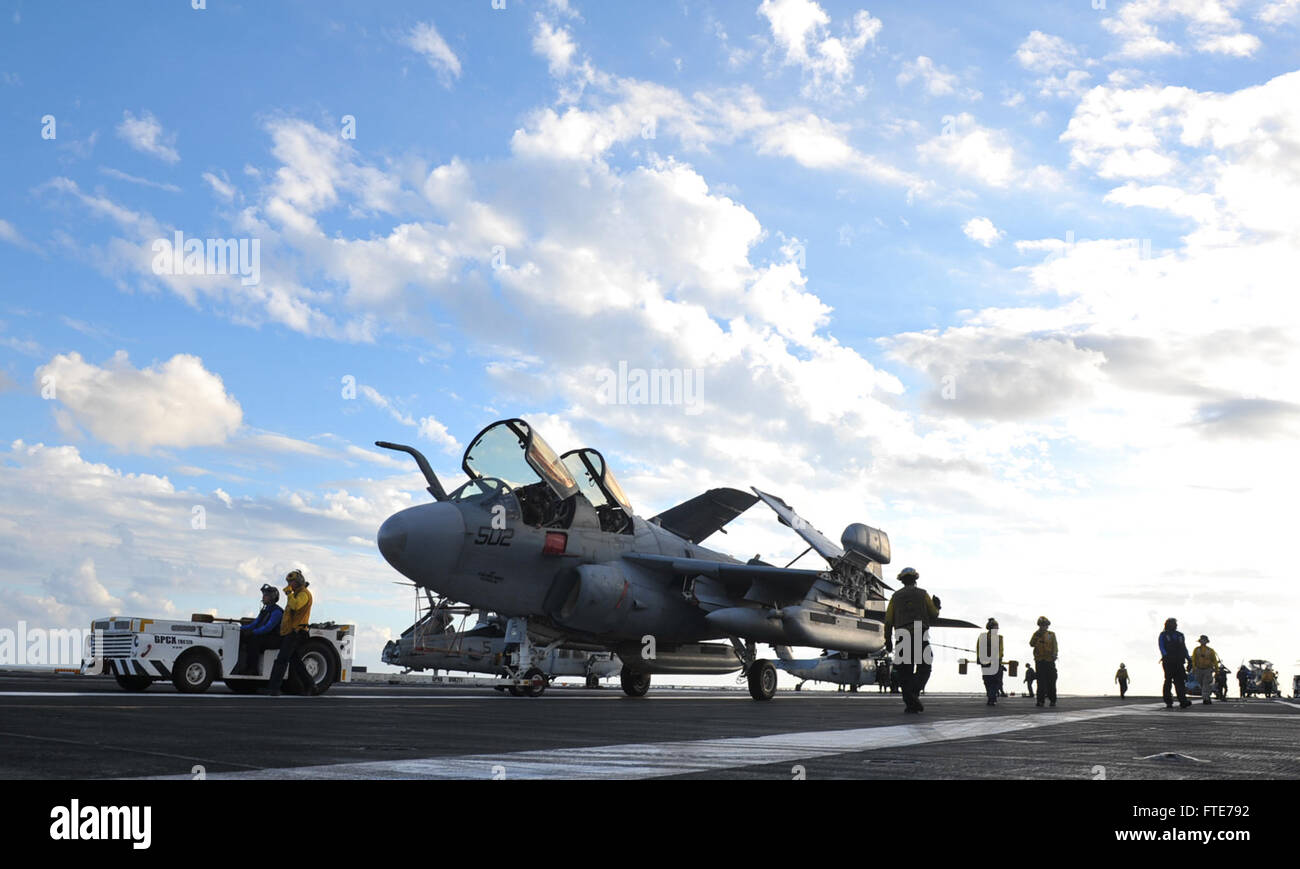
(594, 598)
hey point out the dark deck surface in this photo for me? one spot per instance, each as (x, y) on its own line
(71, 727)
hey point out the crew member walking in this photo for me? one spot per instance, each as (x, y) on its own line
(1121, 676)
(1204, 663)
(1045, 651)
(1030, 676)
(990, 661)
(1243, 681)
(911, 611)
(1175, 660)
(293, 634)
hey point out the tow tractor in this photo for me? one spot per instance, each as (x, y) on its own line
(193, 654)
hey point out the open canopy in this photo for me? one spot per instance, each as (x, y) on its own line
(595, 479)
(511, 451)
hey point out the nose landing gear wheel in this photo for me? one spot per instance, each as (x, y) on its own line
(762, 680)
(635, 684)
(536, 682)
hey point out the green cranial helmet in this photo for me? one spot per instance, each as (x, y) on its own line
(908, 575)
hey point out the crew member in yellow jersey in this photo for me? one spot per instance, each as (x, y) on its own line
(293, 635)
(1204, 662)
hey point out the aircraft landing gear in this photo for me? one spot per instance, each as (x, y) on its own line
(536, 682)
(760, 673)
(634, 684)
(762, 680)
(521, 654)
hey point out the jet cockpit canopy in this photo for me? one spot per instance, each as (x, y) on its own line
(511, 451)
(597, 483)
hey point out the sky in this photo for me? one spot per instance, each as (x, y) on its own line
(1014, 282)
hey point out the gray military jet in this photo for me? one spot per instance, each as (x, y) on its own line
(832, 666)
(435, 643)
(552, 544)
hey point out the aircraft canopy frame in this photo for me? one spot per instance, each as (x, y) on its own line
(508, 450)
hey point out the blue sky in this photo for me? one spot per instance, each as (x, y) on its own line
(825, 209)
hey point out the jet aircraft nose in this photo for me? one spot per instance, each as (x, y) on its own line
(423, 542)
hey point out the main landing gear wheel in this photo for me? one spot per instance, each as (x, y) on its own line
(762, 680)
(635, 684)
(536, 682)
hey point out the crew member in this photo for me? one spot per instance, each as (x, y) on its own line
(261, 634)
(1121, 676)
(293, 634)
(1204, 664)
(912, 611)
(1175, 660)
(1268, 682)
(1030, 675)
(1221, 682)
(1243, 681)
(1044, 644)
(989, 660)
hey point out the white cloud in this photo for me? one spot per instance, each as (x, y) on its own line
(425, 39)
(1057, 62)
(1072, 84)
(83, 540)
(10, 233)
(801, 29)
(1278, 12)
(145, 134)
(220, 185)
(936, 80)
(135, 179)
(1043, 53)
(432, 430)
(982, 230)
(1236, 149)
(985, 155)
(176, 404)
(1210, 27)
(384, 403)
(556, 45)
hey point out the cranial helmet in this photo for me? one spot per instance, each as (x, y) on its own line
(274, 592)
(1043, 621)
(908, 574)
